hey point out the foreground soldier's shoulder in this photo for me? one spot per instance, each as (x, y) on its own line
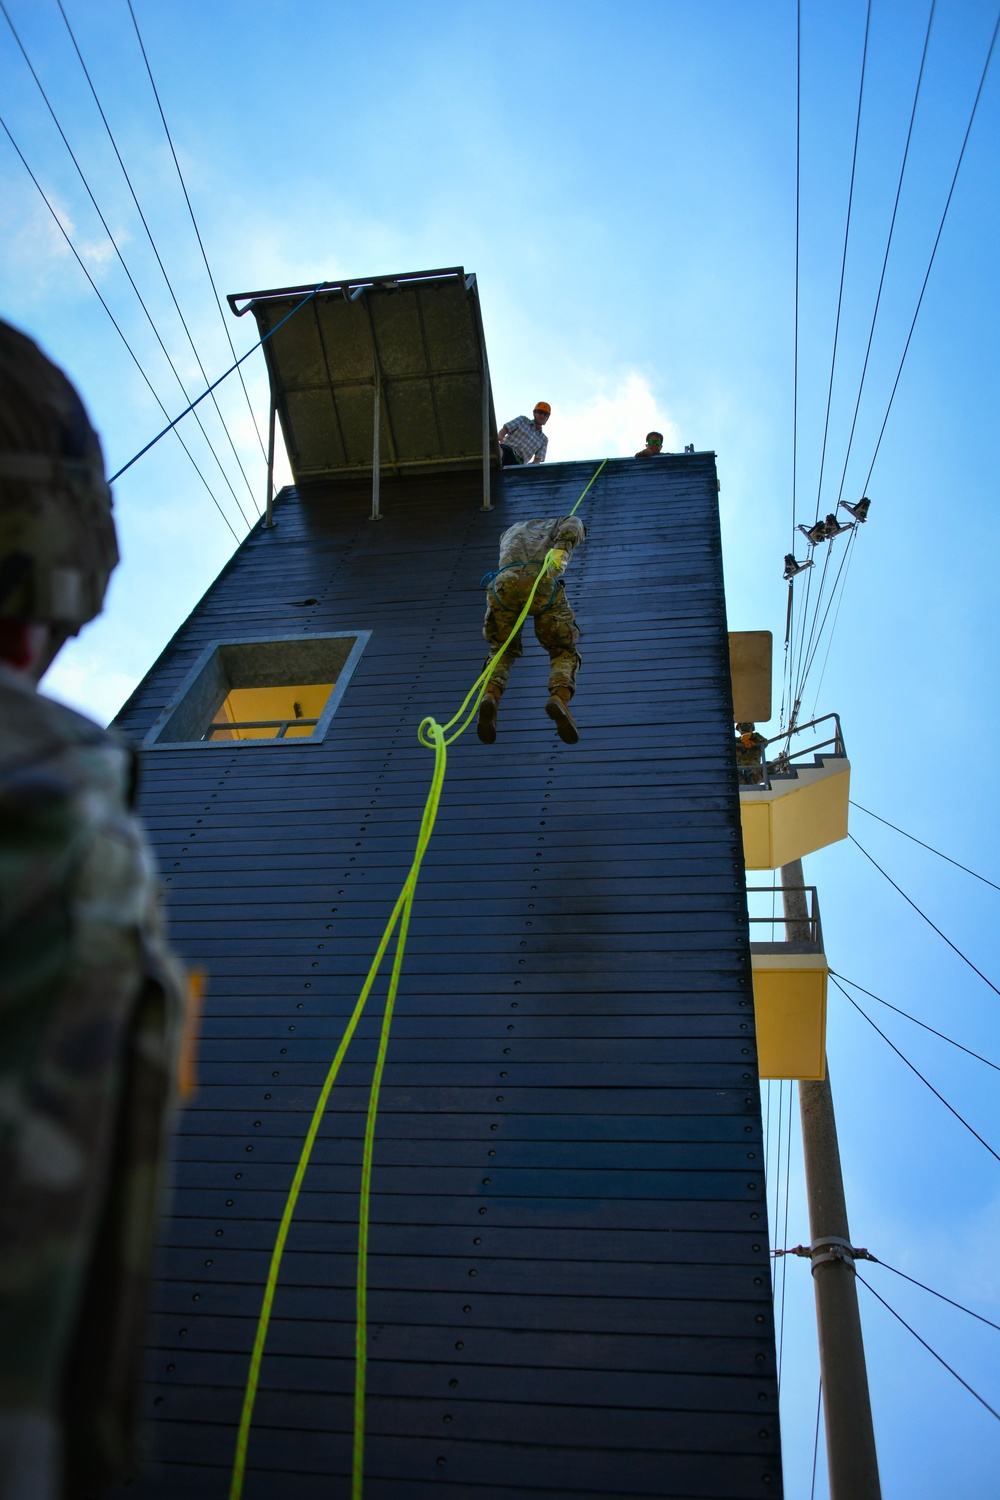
(49, 751)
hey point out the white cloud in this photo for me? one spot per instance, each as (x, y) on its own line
(612, 422)
(86, 682)
(97, 254)
(34, 237)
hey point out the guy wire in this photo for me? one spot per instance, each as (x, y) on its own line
(843, 263)
(194, 223)
(114, 245)
(888, 245)
(135, 358)
(153, 247)
(937, 241)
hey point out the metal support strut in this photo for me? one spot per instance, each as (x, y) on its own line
(484, 367)
(376, 514)
(268, 509)
(487, 501)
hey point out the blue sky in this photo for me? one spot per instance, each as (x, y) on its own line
(621, 178)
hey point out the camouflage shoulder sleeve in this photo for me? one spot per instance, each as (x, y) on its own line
(91, 1014)
(567, 532)
(74, 862)
(530, 540)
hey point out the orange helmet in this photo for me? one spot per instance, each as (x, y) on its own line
(542, 406)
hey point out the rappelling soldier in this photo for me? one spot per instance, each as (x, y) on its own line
(523, 549)
(92, 1004)
(750, 754)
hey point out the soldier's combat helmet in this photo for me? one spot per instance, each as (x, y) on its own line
(57, 536)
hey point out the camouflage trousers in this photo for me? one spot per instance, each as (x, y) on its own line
(84, 1106)
(555, 628)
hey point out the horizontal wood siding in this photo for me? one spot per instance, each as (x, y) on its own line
(570, 1293)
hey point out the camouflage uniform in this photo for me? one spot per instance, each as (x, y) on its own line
(749, 757)
(522, 548)
(91, 1014)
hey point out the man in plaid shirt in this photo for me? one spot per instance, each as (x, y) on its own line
(524, 442)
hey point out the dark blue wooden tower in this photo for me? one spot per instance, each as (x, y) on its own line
(570, 1292)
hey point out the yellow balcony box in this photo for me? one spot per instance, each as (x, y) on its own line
(797, 814)
(789, 995)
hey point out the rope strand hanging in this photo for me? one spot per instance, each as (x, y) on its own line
(436, 737)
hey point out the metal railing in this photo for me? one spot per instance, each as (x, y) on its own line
(782, 763)
(809, 940)
(222, 729)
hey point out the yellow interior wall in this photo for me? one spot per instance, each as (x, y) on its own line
(790, 1010)
(272, 703)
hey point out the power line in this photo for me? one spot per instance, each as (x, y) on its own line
(152, 242)
(117, 325)
(819, 1408)
(784, 1232)
(926, 918)
(920, 1075)
(937, 241)
(888, 245)
(915, 840)
(927, 1346)
(843, 263)
(181, 415)
(951, 1302)
(845, 567)
(194, 223)
(806, 651)
(816, 636)
(923, 1024)
(107, 229)
(798, 183)
(777, 1180)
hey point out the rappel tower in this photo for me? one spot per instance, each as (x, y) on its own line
(569, 1289)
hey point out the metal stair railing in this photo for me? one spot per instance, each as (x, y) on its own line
(783, 764)
(811, 943)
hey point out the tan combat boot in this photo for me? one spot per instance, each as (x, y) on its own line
(557, 709)
(486, 724)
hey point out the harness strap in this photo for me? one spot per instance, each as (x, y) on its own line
(488, 579)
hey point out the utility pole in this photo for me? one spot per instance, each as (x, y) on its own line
(850, 1436)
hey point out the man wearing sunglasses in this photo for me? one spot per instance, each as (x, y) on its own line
(523, 441)
(654, 446)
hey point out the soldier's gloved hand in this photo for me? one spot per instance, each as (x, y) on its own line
(558, 558)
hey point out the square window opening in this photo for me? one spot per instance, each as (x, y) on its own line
(264, 692)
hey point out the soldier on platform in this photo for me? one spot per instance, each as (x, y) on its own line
(750, 754)
(91, 1000)
(522, 551)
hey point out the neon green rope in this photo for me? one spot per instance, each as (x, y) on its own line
(437, 738)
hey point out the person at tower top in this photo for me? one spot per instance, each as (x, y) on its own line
(654, 446)
(523, 549)
(750, 754)
(522, 441)
(93, 1006)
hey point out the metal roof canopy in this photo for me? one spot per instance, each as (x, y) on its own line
(386, 366)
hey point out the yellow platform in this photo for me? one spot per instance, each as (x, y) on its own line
(795, 815)
(789, 993)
